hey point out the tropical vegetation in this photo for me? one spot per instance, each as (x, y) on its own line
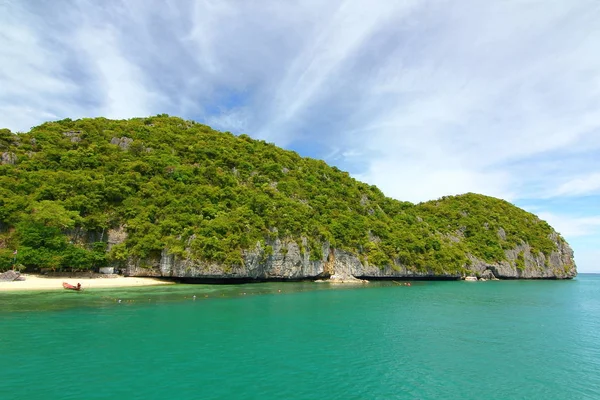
(182, 186)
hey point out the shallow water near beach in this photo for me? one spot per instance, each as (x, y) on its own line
(455, 340)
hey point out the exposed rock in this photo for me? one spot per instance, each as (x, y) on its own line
(373, 238)
(488, 275)
(501, 234)
(116, 236)
(83, 237)
(74, 135)
(10, 276)
(287, 261)
(559, 265)
(123, 142)
(8, 158)
(470, 278)
(452, 238)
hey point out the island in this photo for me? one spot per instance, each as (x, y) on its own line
(166, 197)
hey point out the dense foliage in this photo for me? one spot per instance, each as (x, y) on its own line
(181, 186)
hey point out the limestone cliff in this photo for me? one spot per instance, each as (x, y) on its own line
(289, 262)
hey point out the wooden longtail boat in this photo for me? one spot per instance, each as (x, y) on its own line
(72, 287)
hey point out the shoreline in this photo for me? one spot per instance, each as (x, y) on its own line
(34, 282)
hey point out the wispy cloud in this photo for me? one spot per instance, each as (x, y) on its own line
(124, 90)
(30, 74)
(484, 97)
(573, 226)
(325, 53)
(579, 186)
(69, 62)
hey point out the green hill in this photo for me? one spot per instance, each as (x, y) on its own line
(180, 188)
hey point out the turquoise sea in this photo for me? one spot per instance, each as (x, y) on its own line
(432, 340)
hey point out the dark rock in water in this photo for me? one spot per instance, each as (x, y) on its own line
(10, 276)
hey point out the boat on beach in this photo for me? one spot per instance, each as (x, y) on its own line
(72, 287)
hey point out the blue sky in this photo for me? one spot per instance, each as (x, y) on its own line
(422, 98)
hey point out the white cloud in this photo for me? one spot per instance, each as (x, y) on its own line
(209, 17)
(486, 90)
(309, 77)
(583, 234)
(235, 120)
(40, 69)
(422, 179)
(570, 227)
(122, 84)
(579, 186)
(31, 74)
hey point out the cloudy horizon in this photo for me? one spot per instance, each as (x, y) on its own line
(423, 98)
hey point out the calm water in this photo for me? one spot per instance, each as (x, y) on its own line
(433, 340)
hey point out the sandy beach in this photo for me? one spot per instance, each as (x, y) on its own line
(37, 282)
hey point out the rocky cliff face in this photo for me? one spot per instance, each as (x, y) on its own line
(522, 263)
(288, 262)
